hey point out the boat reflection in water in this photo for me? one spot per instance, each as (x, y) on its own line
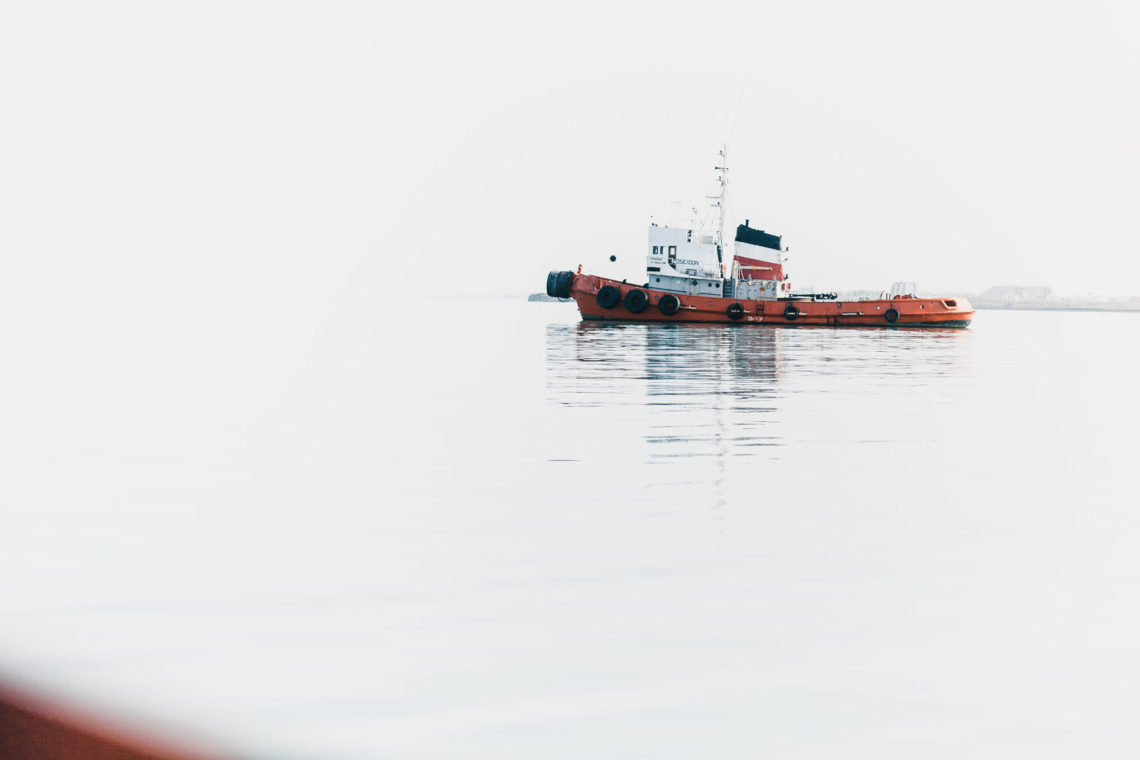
(685, 398)
(671, 405)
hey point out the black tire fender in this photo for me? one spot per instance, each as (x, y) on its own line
(636, 301)
(669, 304)
(565, 281)
(735, 311)
(608, 296)
(791, 312)
(558, 284)
(891, 315)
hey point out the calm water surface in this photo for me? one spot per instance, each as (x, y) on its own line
(319, 531)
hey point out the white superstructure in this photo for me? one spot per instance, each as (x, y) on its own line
(693, 261)
(684, 261)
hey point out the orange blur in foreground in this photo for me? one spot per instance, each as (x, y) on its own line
(36, 729)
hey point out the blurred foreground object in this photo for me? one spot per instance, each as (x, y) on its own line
(34, 728)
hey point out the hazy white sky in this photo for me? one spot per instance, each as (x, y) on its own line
(239, 148)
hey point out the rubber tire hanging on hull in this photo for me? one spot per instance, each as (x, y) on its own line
(636, 301)
(891, 315)
(791, 313)
(669, 304)
(735, 312)
(608, 297)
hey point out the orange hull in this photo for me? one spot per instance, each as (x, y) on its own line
(904, 311)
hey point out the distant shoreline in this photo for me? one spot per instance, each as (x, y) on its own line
(1036, 307)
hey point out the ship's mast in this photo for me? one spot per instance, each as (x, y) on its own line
(722, 179)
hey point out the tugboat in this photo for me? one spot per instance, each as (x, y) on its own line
(688, 280)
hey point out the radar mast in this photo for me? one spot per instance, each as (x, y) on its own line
(722, 180)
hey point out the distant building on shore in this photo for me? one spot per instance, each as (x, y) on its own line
(904, 289)
(1017, 293)
(1017, 297)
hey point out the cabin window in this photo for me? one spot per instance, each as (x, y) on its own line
(656, 250)
(672, 251)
